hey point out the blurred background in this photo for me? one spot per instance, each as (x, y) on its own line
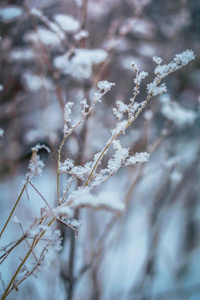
(52, 52)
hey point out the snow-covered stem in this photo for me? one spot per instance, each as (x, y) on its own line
(68, 134)
(99, 159)
(170, 68)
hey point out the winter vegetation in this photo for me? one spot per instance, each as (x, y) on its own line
(99, 150)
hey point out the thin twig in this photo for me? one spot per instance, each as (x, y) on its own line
(40, 195)
(14, 207)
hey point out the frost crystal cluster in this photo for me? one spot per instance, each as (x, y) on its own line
(36, 165)
(67, 116)
(162, 71)
(105, 85)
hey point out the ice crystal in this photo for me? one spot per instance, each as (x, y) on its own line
(138, 158)
(105, 85)
(67, 116)
(67, 165)
(36, 166)
(119, 157)
(121, 109)
(121, 127)
(157, 60)
(155, 90)
(140, 76)
(85, 106)
(185, 57)
(178, 62)
(39, 147)
(78, 171)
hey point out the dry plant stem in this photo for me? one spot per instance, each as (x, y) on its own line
(63, 222)
(62, 143)
(113, 138)
(134, 94)
(99, 159)
(40, 195)
(16, 243)
(25, 236)
(14, 207)
(9, 287)
(27, 242)
(130, 121)
(29, 273)
(67, 189)
(33, 245)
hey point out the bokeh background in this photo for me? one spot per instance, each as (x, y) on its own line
(151, 250)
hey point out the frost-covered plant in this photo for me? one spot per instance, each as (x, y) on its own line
(91, 174)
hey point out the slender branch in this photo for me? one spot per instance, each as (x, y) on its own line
(40, 195)
(27, 242)
(99, 159)
(14, 207)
